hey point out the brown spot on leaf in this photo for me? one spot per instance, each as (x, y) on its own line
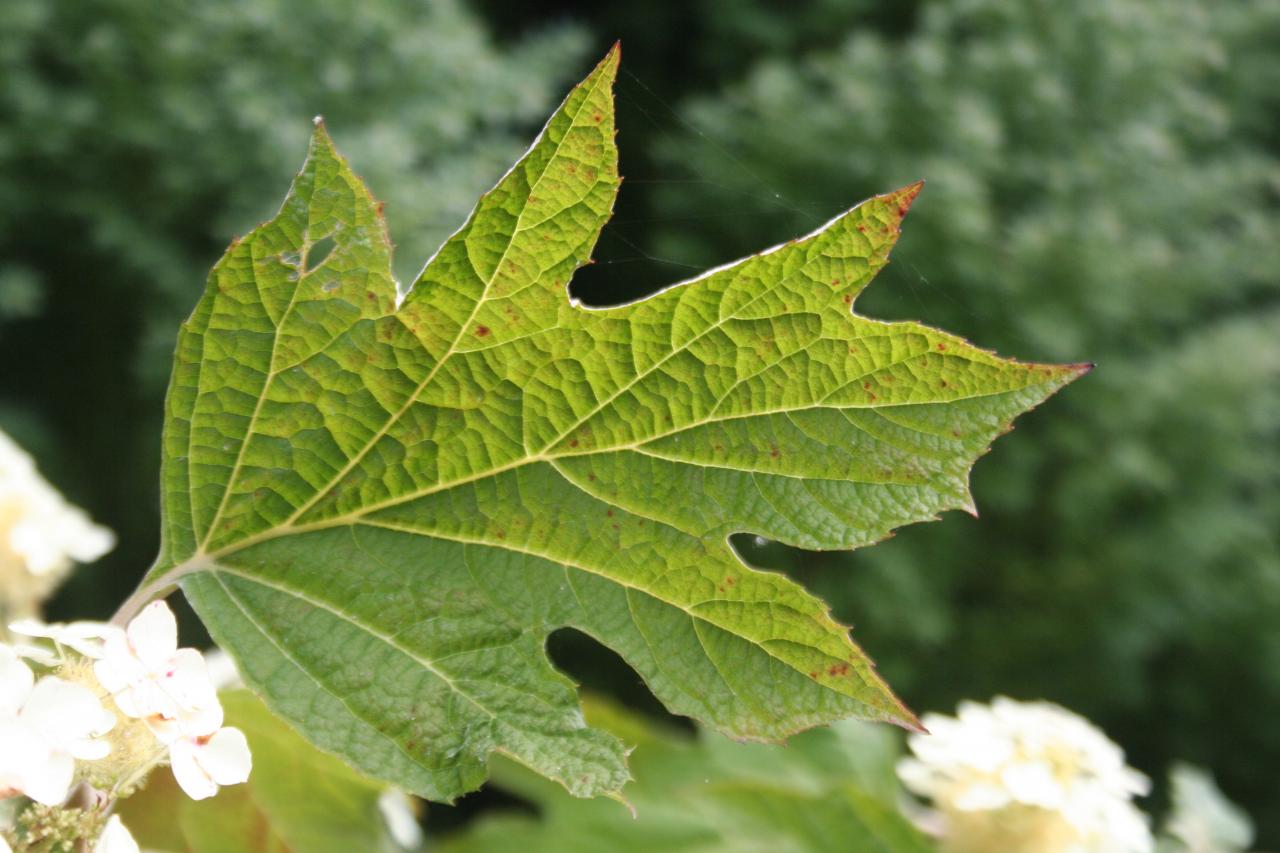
(482, 331)
(941, 346)
(848, 299)
(573, 442)
(775, 452)
(609, 513)
(838, 669)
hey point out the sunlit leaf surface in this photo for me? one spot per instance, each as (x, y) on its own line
(382, 507)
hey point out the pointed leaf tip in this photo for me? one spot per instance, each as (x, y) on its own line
(610, 61)
(905, 197)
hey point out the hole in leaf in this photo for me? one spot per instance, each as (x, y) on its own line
(319, 251)
(600, 670)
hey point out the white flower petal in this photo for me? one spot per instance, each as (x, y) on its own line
(402, 823)
(115, 838)
(48, 782)
(981, 797)
(188, 681)
(226, 757)
(85, 637)
(119, 668)
(222, 669)
(20, 750)
(153, 635)
(16, 681)
(187, 770)
(64, 713)
(201, 722)
(38, 654)
(1033, 783)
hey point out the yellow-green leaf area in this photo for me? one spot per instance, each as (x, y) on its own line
(381, 505)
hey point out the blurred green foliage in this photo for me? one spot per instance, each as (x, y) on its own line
(828, 789)
(1103, 185)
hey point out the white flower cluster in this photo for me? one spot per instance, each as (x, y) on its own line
(124, 702)
(1026, 776)
(41, 535)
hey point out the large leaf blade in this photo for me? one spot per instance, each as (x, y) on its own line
(383, 509)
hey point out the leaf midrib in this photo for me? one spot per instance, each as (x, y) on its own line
(200, 559)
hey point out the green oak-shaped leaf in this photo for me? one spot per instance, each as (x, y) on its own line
(381, 507)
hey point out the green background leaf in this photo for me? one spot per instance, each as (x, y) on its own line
(828, 789)
(297, 798)
(382, 507)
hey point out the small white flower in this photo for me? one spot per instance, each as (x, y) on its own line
(152, 679)
(1029, 776)
(402, 823)
(44, 727)
(171, 690)
(201, 765)
(115, 838)
(41, 535)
